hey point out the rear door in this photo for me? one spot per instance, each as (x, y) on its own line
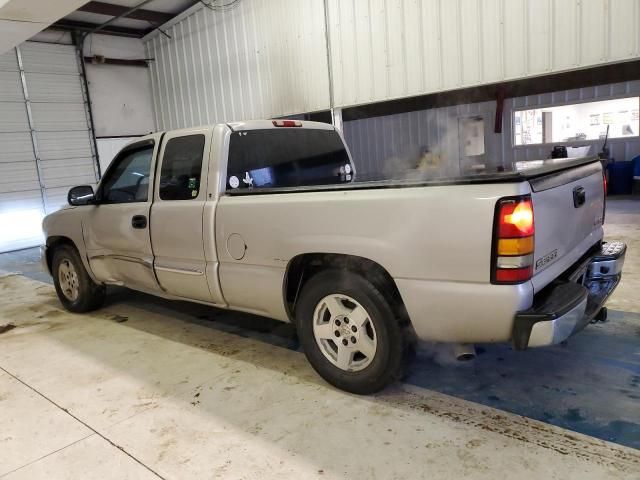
(568, 211)
(177, 215)
(116, 229)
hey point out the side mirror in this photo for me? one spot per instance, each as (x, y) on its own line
(82, 195)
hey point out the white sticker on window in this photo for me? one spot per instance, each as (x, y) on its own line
(347, 168)
(247, 179)
(234, 181)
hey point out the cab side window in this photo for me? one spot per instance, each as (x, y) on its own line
(182, 168)
(127, 180)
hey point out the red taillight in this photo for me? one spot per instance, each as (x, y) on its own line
(287, 123)
(514, 275)
(516, 218)
(513, 243)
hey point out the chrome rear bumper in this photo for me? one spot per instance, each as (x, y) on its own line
(567, 306)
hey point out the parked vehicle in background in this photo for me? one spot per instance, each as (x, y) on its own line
(266, 217)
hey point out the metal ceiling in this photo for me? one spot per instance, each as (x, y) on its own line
(129, 18)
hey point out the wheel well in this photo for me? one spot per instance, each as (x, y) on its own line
(303, 267)
(52, 244)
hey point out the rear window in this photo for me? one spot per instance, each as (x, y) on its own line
(287, 157)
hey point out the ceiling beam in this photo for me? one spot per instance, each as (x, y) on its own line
(74, 26)
(102, 8)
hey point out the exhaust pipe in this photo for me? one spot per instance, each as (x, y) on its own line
(464, 352)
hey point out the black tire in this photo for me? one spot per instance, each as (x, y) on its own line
(388, 362)
(90, 295)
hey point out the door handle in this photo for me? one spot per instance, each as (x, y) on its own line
(579, 197)
(139, 221)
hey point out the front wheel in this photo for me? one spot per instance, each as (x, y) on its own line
(349, 332)
(76, 290)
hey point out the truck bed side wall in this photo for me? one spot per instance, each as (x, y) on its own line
(435, 242)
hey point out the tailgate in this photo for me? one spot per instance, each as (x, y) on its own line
(568, 210)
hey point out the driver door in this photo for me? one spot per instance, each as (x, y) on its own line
(116, 230)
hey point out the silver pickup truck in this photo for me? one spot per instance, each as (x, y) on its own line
(269, 217)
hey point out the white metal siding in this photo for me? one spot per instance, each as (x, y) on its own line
(394, 142)
(386, 49)
(263, 58)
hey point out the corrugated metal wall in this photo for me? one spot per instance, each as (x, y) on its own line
(260, 59)
(267, 58)
(386, 49)
(394, 142)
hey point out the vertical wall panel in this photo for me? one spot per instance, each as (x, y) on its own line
(565, 27)
(450, 32)
(491, 40)
(431, 58)
(623, 28)
(262, 58)
(413, 45)
(594, 31)
(539, 31)
(396, 48)
(514, 32)
(268, 58)
(470, 42)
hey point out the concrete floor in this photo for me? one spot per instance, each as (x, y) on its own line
(146, 388)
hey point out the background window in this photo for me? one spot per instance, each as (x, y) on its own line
(578, 122)
(128, 179)
(181, 168)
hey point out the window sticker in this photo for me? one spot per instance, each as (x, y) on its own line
(234, 182)
(347, 169)
(247, 179)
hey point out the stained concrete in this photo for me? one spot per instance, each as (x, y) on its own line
(152, 389)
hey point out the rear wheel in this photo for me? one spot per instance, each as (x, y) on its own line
(349, 332)
(75, 288)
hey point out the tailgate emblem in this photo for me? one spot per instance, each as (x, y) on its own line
(579, 197)
(548, 258)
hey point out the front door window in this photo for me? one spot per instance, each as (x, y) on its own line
(127, 180)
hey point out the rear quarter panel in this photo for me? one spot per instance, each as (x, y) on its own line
(436, 240)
